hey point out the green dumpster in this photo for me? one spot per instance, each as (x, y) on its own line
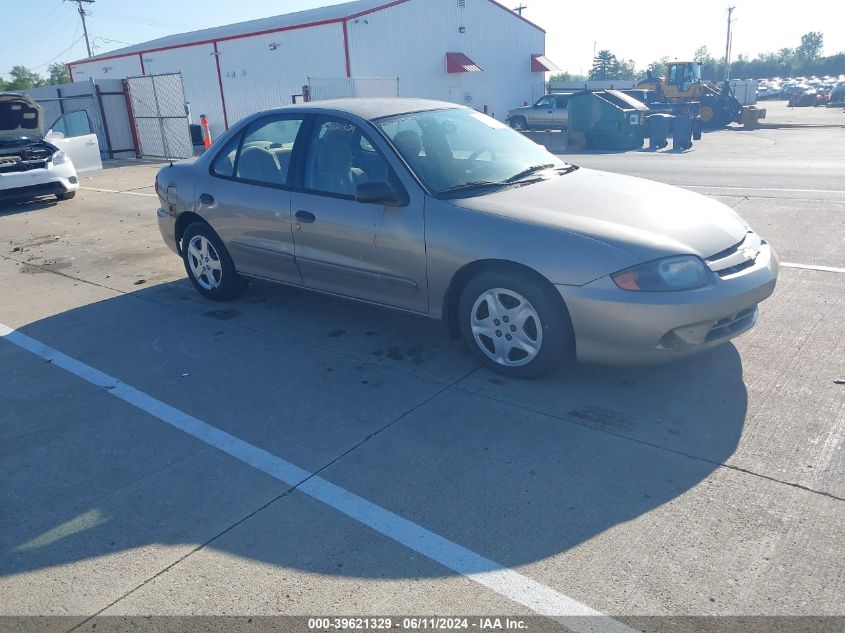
(609, 119)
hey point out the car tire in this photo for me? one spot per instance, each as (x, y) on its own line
(208, 264)
(519, 123)
(514, 323)
(67, 195)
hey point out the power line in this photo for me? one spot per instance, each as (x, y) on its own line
(74, 43)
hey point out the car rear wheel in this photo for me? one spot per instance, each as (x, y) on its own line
(209, 265)
(519, 123)
(514, 324)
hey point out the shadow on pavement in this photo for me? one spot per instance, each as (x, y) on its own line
(515, 471)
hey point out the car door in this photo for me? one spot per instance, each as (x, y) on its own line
(73, 133)
(246, 197)
(540, 115)
(561, 115)
(362, 250)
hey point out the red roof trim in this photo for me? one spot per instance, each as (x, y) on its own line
(542, 64)
(515, 14)
(346, 50)
(381, 7)
(280, 29)
(460, 63)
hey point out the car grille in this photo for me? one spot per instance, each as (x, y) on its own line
(736, 258)
(732, 324)
(22, 165)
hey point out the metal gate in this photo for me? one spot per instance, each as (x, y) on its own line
(320, 88)
(161, 117)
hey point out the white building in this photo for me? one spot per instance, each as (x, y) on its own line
(475, 52)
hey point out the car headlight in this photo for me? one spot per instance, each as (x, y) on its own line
(684, 272)
(60, 157)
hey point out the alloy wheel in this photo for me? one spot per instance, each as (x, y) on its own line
(506, 327)
(205, 263)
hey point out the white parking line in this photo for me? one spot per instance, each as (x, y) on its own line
(130, 193)
(826, 269)
(761, 189)
(521, 589)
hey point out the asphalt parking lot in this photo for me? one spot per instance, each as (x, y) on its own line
(289, 453)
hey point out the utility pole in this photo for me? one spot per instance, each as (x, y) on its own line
(728, 46)
(82, 14)
(520, 9)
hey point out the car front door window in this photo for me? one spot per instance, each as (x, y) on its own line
(341, 157)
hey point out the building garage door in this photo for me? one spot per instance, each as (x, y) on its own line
(161, 118)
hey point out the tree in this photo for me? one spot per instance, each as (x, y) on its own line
(23, 77)
(57, 73)
(562, 76)
(656, 68)
(709, 66)
(811, 46)
(604, 65)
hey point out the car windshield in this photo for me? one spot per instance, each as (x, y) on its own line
(462, 150)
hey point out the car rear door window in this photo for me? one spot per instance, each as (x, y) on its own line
(265, 154)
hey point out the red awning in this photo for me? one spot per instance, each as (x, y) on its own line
(460, 63)
(542, 64)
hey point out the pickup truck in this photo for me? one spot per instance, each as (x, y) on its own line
(549, 113)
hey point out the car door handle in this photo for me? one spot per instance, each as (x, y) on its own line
(91, 143)
(306, 217)
(206, 198)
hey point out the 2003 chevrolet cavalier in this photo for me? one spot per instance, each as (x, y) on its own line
(442, 211)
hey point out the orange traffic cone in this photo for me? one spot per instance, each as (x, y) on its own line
(206, 133)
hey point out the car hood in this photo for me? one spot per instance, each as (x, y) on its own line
(520, 109)
(20, 115)
(644, 218)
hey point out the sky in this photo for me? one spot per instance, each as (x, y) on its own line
(37, 32)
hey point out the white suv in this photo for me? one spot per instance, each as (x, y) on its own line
(33, 163)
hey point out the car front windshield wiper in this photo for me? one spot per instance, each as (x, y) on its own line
(474, 184)
(563, 169)
(530, 170)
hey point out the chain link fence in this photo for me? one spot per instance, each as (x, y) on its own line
(161, 117)
(321, 88)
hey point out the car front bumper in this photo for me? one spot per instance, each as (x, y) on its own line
(38, 182)
(620, 327)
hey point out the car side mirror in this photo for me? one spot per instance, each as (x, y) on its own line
(53, 135)
(377, 192)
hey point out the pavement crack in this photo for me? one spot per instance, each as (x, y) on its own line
(641, 442)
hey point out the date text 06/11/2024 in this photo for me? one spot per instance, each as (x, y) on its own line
(429, 623)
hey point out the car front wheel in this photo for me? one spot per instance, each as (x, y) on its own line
(208, 264)
(514, 324)
(519, 123)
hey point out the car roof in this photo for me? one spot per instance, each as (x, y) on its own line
(371, 108)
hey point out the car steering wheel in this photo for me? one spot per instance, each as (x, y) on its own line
(479, 152)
